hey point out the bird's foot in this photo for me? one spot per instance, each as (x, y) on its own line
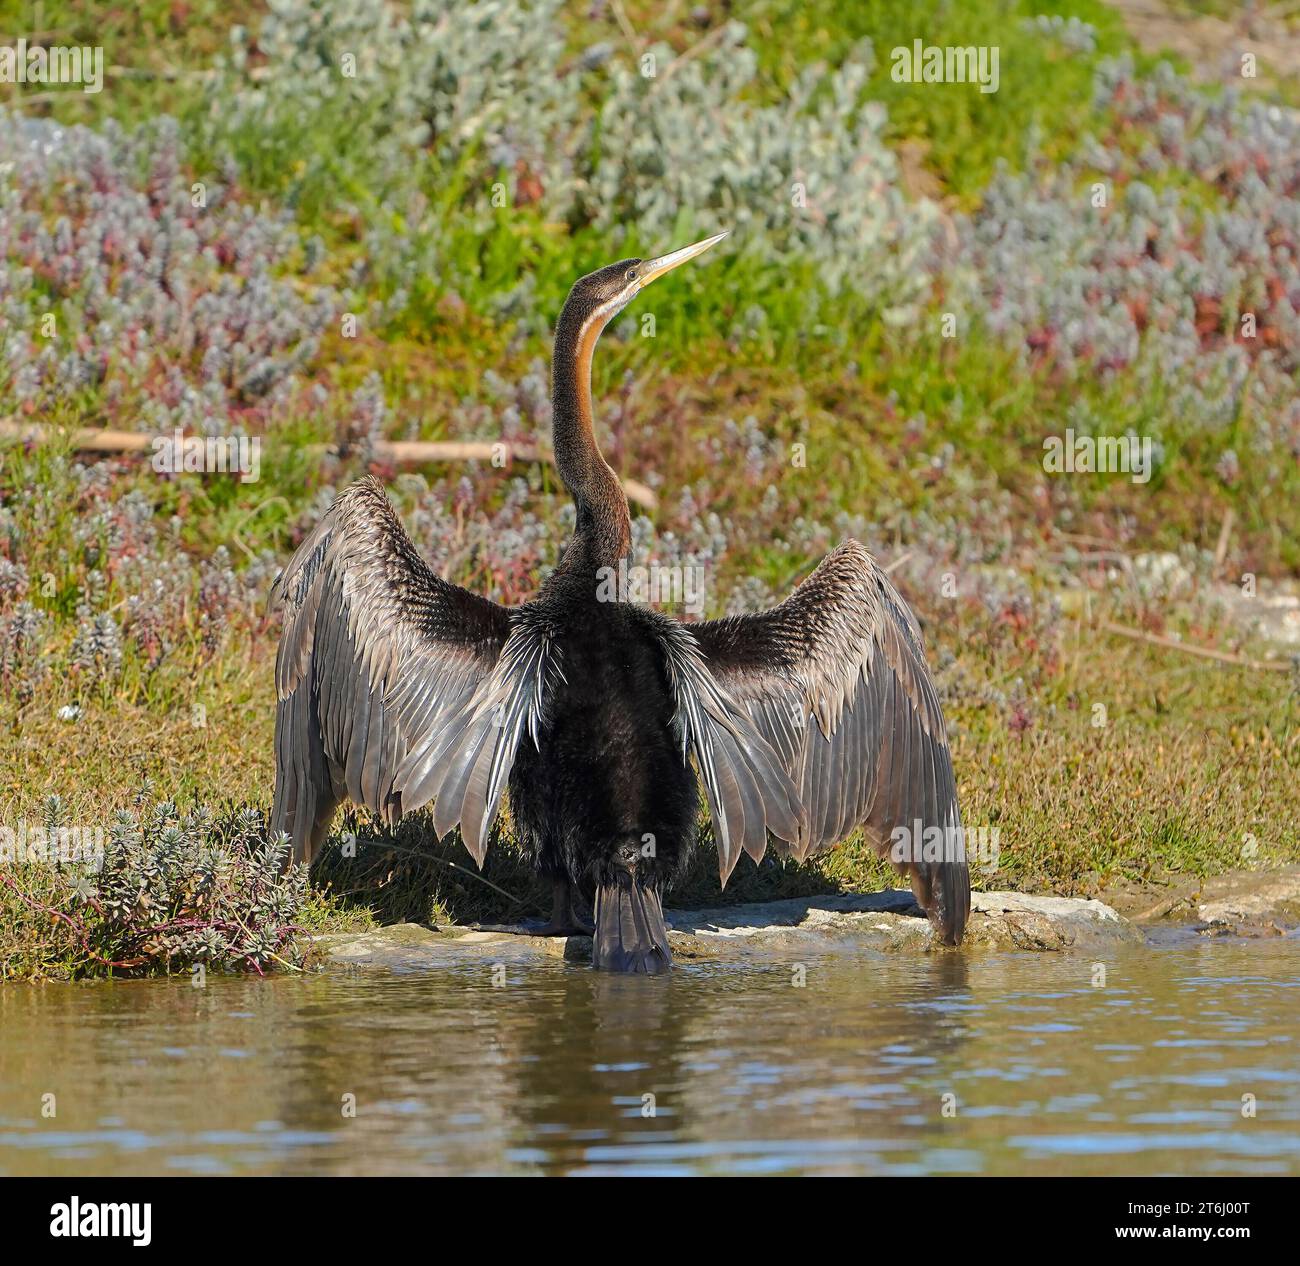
(566, 920)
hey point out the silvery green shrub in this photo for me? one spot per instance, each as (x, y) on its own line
(438, 79)
(469, 95)
(177, 888)
(810, 176)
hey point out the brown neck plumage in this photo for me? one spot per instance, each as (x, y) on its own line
(604, 527)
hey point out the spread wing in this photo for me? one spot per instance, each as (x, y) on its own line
(745, 780)
(395, 687)
(835, 680)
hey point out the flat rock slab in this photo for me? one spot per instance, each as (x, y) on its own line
(1251, 901)
(879, 921)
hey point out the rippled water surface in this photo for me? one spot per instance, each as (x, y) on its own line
(551, 1071)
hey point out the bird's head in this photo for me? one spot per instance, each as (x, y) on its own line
(592, 303)
(600, 296)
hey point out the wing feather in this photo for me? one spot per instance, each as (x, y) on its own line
(395, 687)
(834, 679)
(746, 783)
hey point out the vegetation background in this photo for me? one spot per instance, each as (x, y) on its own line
(254, 173)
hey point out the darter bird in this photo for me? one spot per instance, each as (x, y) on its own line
(602, 719)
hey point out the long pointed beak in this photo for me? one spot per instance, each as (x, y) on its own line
(653, 268)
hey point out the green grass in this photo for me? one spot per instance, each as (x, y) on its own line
(964, 133)
(155, 51)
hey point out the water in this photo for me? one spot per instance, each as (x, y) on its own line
(749, 1074)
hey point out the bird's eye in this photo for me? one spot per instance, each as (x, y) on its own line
(631, 274)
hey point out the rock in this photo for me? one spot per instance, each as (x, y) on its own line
(1248, 902)
(892, 920)
(880, 921)
(1240, 903)
(1271, 613)
(1017, 920)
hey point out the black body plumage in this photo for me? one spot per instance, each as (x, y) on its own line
(604, 719)
(607, 801)
(609, 780)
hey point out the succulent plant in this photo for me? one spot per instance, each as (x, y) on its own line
(177, 314)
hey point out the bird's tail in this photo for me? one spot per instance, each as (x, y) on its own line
(630, 931)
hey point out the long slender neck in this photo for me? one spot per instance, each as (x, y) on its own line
(604, 527)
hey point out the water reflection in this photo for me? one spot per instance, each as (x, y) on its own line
(875, 1064)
